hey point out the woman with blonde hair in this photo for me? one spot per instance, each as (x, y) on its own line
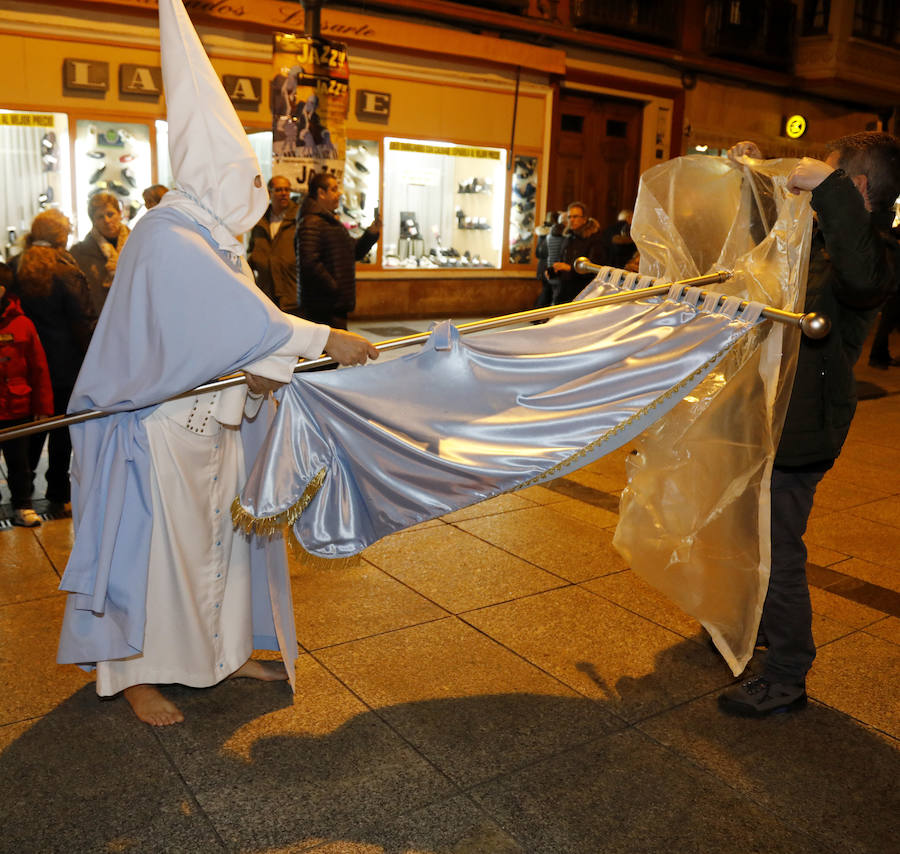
(98, 253)
(54, 296)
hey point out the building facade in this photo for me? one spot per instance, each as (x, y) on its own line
(467, 122)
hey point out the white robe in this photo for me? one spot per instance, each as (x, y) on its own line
(198, 627)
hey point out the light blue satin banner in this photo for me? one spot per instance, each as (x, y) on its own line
(465, 419)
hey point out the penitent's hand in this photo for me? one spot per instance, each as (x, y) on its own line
(348, 348)
(261, 385)
(744, 148)
(808, 174)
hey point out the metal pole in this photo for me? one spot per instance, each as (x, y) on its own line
(312, 21)
(420, 338)
(811, 324)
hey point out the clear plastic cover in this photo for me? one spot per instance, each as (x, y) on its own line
(694, 517)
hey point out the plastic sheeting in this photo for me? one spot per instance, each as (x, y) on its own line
(695, 517)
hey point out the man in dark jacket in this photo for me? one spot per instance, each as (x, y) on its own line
(583, 238)
(854, 266)
(271, 253)
(327, 255)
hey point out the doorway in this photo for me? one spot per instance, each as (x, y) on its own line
(597, 157)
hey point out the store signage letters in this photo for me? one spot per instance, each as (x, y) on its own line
(373, 106)
(143, 80)
(244, 92)
(86, 75)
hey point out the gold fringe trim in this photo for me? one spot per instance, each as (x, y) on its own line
(267, 526)
(314, 562)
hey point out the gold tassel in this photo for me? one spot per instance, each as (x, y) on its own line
(267, 526)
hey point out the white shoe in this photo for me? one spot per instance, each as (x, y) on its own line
(26, 518)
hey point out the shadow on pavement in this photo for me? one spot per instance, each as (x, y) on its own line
(237, 776)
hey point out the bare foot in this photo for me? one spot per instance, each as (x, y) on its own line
(268, 671)
(152, 707)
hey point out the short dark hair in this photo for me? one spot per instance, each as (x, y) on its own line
(319, 181)
(877, 156)
(581, 205)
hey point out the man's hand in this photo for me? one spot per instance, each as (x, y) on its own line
(348, 348)
(808, 174)
(561, 267)
(744, 148)
(261, 385)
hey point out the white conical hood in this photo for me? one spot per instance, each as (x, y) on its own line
(212, 161)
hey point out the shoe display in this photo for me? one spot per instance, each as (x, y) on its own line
(26, 518)
(759, 698)
(128, 176)
(97, 174)
(522, 210)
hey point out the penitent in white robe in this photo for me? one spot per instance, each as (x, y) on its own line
(199, 625)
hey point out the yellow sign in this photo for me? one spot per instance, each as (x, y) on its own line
(795, 127)
(27, 119)
(455, 151)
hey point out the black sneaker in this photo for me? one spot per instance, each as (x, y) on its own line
(759, 698)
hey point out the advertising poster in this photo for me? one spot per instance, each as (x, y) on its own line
(310, 98)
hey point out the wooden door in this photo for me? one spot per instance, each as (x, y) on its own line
(597, 156)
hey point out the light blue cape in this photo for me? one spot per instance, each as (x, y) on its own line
(180, 313)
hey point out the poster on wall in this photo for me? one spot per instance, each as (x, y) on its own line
(310, 98)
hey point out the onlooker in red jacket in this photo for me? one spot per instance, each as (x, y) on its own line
(55, 297)
(24, 392)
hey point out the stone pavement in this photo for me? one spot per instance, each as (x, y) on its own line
(495, 681)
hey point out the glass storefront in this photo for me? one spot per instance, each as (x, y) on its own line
(361, 184)
(35, 169)
(111, 157)
(443, 205)
(523, 198)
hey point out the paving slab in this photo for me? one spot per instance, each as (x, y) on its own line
(56, 537)
(625, 794)
(633, 593)
(540, 495)
(818, 770)
(854, 535)
(887, 629)
(832, 494)
(336, 605)
(457, 570)
(860, 675)
(275, 771)
(88, 776)
(33, 683)
(634, 666)
(874, 573)
(456, 826)
(470, 706)
(500, 504)
(593, 515)
(568, 547)
(827, 604)
(884, 510)
(25, 571)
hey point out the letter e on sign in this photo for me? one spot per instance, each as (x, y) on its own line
(373, 106)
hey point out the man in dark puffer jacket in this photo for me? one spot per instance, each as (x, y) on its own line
(854, 267)
(327, 255)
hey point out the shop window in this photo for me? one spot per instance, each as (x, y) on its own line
(571, 123)
(35, 169)
(444, 204)
(521, 209)
(112, 157)
(361, 182)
